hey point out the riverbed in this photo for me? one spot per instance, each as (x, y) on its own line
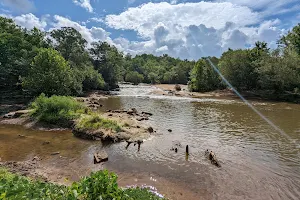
(257, 161)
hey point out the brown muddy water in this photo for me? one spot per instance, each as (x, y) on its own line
(257, 162)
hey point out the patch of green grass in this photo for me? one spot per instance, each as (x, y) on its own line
(56, 109)
(100, 185)
(95, 121)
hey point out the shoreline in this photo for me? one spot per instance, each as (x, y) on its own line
(169, 90)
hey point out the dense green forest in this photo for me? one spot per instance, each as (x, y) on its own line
(61, 62)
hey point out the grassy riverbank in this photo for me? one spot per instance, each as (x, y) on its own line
(99, 185)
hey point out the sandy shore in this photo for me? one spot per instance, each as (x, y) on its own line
(169, 90)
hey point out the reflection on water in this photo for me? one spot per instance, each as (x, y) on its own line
(257, 162)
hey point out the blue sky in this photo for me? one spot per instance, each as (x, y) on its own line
(188, 29)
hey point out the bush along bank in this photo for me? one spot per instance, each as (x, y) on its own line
(99, 185)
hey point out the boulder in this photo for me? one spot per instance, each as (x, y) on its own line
(100, 157)
(170, 130)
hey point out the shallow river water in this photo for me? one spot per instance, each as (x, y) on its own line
(257, 161)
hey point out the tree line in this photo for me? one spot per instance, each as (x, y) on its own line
(62, 62)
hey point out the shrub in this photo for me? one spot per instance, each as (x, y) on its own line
(95, 121)
(51, 74)
(18, 187)
(56, 109)
(177, 87)
(93, 80)
(100, 185)
(134, 77)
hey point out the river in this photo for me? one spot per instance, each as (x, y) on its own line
(257, 161)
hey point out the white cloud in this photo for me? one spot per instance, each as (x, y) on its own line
(268, 7)
(97, 19)
(186, 30)
(143, 19)
(193, 30)
(19, 5)
(90, 34)
(30, 21)
(86, 4)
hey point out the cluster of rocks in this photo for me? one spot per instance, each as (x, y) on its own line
(133, 112)
(92, 101)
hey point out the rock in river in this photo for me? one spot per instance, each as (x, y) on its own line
(100, 157)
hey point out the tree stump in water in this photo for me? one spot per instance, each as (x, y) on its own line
(100, 157)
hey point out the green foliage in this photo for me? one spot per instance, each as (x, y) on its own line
(70, 43)
(27, 57)
(280, 74)
(100, 185)
(56, 109)
(108, 61)
(203, 77)
(134, 77)
(292, 39)
(50, 73)
(162, 69)
(92, 80)
(14, 187)
(238, 68)
(140, 194)
(95, 121)
(17, 49)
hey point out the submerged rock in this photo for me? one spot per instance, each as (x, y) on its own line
(150, 129)
(176, 146)
(147, 113)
